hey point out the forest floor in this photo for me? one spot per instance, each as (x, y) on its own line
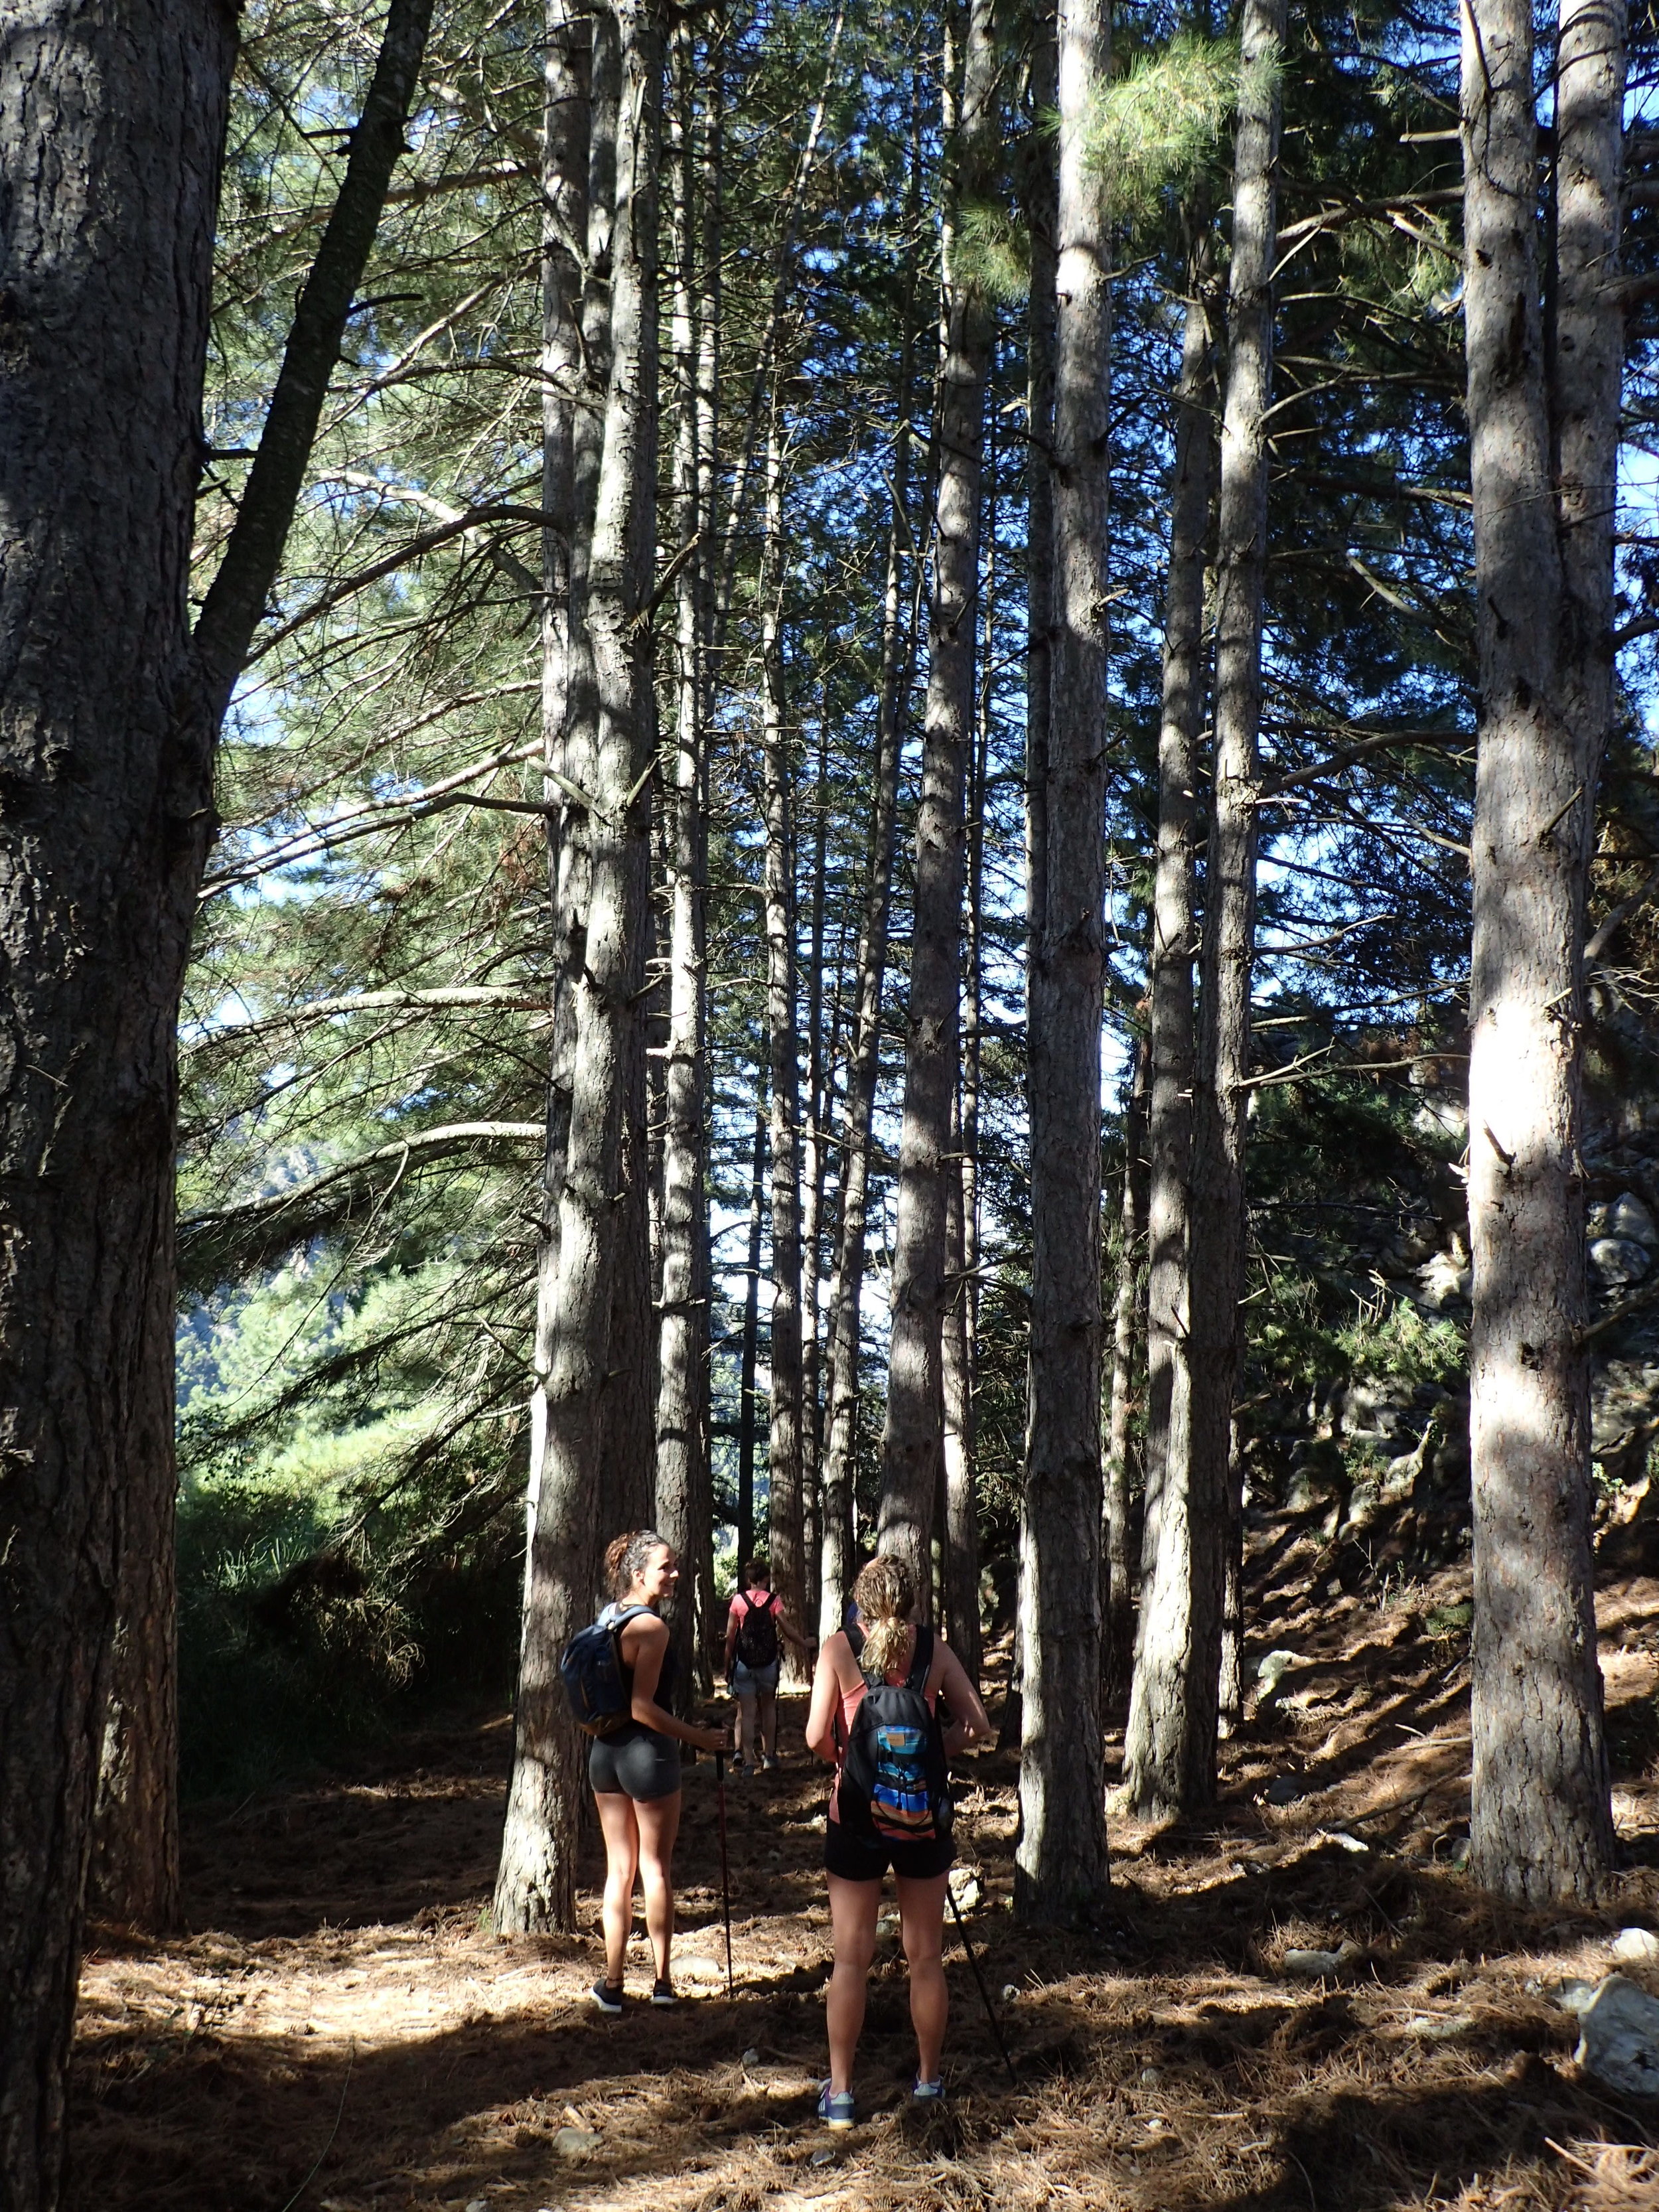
(342, 2033)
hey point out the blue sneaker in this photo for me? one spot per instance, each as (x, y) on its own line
(835, 2108)
(928, 2092)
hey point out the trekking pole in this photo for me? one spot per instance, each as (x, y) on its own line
(726, 1878)
(990, 2010)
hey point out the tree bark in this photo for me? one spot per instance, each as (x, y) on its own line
(1169, 1753)
(1543, 450)
(1173, 923)
(961, 1501)
(1042, 197)
(683, 1505)
(847, 1282)
(910, 1442)
(1059, 1865)
(111, 130)
(134, 1875)
(535, 1887)
(749, 1357)
(1118, 1642)
(785, 1532)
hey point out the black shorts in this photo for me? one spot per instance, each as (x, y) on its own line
(635, 1762)
(865, 1858)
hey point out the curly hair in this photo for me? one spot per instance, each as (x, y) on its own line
(886, 1594)
(625, 1557)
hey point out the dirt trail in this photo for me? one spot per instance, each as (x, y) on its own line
(342, 2034)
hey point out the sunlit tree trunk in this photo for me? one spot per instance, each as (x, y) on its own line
(846, 1278)
(1169, 1753)
(534, 1886)
(785, 1532)
(683, 1505)
(1060, 1864)
(749, 1351)
(1174, 926)
(111, 134)
(1118, 1642)
(1543, 424)
(910, 1442)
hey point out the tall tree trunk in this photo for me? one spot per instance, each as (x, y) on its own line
(101, 854)
(1041, 185)
(864, 1062)
(1543, 453)
(534, 1886)
(1174, 928)
(910, 1442)
(134, 1875)
(1059, 1865)
(1118, 1642)
(814, 1162)
(684, 1503)
(1170, 1755)
(960, 1501)
(749, 1356)
(785, 1532)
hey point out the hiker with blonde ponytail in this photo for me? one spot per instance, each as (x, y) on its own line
(875, 1718)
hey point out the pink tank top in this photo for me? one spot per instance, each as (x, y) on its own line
(850, 1701)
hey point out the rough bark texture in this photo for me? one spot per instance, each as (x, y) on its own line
(749, 1356)
(1060, 1867)
(534, 1887)
(961, 1499)
(1117, 1653)
(1041, 195)
(1541, 1827)
(847, 1282)
(910, 1441)
(1174, 926)
(134, 1876)
(785, 1532)
(111, 125)
(1169, 1752)
(684, 1504)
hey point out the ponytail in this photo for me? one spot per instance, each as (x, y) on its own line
(886, 1594)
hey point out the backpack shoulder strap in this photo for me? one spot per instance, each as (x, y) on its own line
(921, 1662)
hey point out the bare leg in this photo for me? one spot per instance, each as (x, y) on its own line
(768, 1724)
(659, 1821)
(621, 1858)
(747, 1741)
(853, 1909)
(921, 1917)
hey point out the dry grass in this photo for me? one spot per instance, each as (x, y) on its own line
(341, 2035)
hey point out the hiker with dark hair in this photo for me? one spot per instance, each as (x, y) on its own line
(754, 1623)
(875, 1718)
(635, 1767)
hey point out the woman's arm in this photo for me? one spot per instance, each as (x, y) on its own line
(649, 1638)
(970, 1721)
(826, 1705)
(732, 1625)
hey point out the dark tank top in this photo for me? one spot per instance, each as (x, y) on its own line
(666, 1680)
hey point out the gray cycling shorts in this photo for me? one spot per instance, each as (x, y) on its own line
(635, 1762)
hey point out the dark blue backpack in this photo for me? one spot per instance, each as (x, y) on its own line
(894, 1782)
(597, 1680)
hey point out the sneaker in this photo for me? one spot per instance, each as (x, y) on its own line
(769, 1760)
(608, 1996)
(663, 1993)
(928, 2092)
(737, 1768)
(835, 2108)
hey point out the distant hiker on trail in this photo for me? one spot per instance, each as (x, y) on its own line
(875, 1716)
(634, 1768)
(754, 1624)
